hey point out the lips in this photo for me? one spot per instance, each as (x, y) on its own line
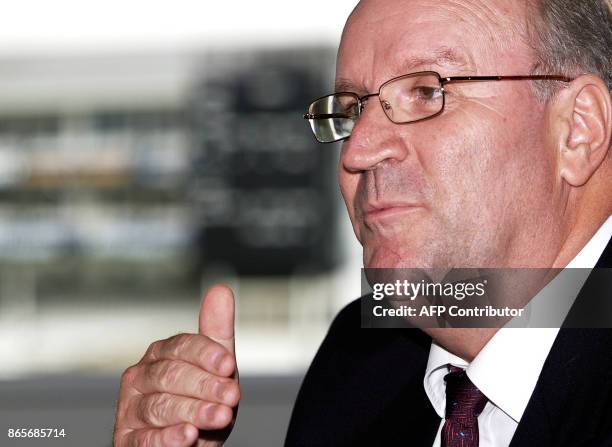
(382, 210)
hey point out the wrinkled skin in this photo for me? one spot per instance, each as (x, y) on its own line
(479, 181)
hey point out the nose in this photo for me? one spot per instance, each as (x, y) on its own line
(374, 139)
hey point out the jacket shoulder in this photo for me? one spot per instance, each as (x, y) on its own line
(354, 378)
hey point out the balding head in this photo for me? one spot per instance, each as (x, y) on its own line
(483, 178)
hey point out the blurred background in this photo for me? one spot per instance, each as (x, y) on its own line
(148, 150)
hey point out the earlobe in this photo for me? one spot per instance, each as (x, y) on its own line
(585, 110)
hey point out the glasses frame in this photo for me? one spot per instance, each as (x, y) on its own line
(443, 81)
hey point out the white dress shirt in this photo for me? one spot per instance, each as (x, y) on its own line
(507, 369)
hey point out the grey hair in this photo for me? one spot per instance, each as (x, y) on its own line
(571, 37)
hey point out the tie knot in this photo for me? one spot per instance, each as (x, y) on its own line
(463, 399)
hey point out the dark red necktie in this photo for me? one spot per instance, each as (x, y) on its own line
(464, 402)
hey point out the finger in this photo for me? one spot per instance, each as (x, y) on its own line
(196, 349)
(163, 410)
(217, 315)
(184, 379)
(183, 435)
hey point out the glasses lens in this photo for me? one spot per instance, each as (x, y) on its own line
(334, 116)
(412, 98)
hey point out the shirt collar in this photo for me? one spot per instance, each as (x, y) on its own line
(507, 369)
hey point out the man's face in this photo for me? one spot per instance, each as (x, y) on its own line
(472, 187)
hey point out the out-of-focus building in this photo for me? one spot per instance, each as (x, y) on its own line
(148, 150)
(130, 182)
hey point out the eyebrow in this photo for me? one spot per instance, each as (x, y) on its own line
(442, 57)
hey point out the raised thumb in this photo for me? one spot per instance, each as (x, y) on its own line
(217, 315)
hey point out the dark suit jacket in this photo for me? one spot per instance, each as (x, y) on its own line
(365, 387)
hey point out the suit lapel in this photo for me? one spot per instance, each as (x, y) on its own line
(593, 308)
(572, 401)
(365, 387)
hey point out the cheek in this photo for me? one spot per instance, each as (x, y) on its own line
(487, 172)
(446, 161)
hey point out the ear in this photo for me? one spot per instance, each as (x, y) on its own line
(583, 115)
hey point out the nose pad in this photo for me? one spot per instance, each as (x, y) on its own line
(387, 108)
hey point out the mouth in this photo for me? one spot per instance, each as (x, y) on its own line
(388, 211)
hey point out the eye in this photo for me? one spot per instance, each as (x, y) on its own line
(354, 110)
(426, 93)
(347, 107)
(350, 112)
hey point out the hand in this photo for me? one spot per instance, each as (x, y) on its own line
(184, 392)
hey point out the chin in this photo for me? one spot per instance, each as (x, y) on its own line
(390, 258)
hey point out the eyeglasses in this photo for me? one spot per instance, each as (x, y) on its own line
(405, 99)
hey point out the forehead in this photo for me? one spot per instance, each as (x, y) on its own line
(385, 38)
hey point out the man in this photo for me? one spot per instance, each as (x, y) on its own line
(502, 172)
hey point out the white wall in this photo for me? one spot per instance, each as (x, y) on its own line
(76, 25)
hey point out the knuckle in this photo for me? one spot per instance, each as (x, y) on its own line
(205, 387)
(166, 373)
(144, 440)
(180, 343)
(153, 350)
(128, 376)
(155, 410)
(208, 352)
